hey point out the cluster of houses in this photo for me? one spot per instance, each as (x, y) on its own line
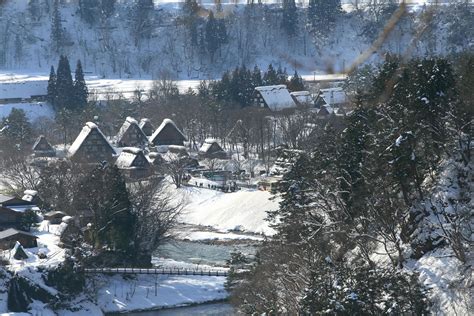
(329, 101)
(138, 150)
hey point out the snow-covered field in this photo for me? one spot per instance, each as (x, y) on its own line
(244, 210)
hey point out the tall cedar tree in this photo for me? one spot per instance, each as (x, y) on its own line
(212, 35)
(322, 15)
(80, 88)
(290, 17)
(52, 90)
(57, 31)
(64, 85)
(296, 83)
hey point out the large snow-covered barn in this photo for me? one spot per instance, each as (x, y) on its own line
(276, 98)
(211, 149)
(91, 146)
(131, 135)
(167, 134)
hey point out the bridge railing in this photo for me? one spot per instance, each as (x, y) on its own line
(162, 271)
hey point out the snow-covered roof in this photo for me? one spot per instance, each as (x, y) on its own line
(23, 208)
(127, 157)
(29, 195)
(12, 232)
(162, 126)
(333, 96)
(86, 130)
(129, 122)
(23, 90)
(41, 140)
(208, 144)
(302, 97)
(276, 97)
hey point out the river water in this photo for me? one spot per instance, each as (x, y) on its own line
(208, 253)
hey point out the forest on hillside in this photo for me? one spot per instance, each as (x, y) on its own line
(140, 38)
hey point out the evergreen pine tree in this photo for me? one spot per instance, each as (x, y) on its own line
(322, 15)
(257, 77)
(80, 88)
(282, 76)
(57, 31)
(270, 77)
(52, 90)
(296, 83)
(17, 129)
(64, 84)
(212, 35)
(290, 17)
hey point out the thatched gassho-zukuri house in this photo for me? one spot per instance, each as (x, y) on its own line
(42, 148)
(146, 126)
(212, 150)
(276, 97)
(133, 163)
(91, 146)
(131, 135)
(167, 134)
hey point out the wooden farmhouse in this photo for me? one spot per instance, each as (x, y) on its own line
(131, 135)
(335, 98)
(276, 98)
(133, 163)
(54, 217)
(9, 237)
(91, 146)
(212, 150)
(42, 148)
(12, 210)
(167, 134)
(302, 98)
(146, 126)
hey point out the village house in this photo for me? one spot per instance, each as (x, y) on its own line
(12, 210)
(335, 98)
(131, 135)
(146, 127)
(302, 98)
(54, 217)
(42, 148)
(91, 146)
(133, 163)
(9, 237)
(276, 98)
(212, 150)
(167, 134)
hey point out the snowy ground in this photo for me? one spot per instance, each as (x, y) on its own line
(154, 292)
(244, 210)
